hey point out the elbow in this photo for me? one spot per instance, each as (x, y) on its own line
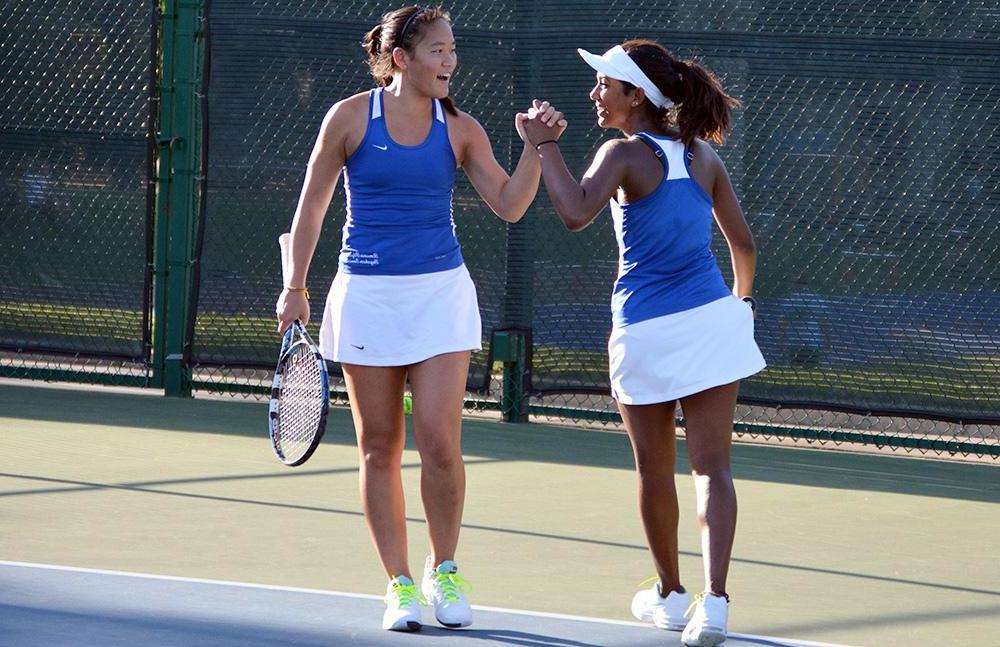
(509, 212)
(745, 246)
(511, 217)
(574, 221)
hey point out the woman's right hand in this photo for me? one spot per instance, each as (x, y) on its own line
(542, 122)
(291, 305)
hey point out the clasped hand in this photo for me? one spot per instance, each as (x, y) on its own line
(540, 123)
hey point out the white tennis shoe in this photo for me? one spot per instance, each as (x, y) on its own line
(445, 589)
(707, 626)
(402, 605)
(664, 612)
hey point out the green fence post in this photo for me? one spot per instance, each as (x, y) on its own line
(511, 348)
(516, 313)
(177, 194)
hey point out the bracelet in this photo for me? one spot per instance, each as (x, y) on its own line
(547, 141)
(292, 288)
(750, 301)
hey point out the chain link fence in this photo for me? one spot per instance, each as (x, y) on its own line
(74, 189)
(865, 156)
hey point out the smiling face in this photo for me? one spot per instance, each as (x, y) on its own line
(613, 104)
(432, 62)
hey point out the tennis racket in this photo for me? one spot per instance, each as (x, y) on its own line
(300, 391)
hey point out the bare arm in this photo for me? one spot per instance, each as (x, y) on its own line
(729, 217)
(508, 196)
(577, 204)
(325, 164)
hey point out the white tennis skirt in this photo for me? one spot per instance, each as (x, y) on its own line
(400, 320)
(677, 355)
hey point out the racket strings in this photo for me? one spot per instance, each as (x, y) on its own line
(300, 406)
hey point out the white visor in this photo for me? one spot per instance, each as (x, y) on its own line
(617, 64)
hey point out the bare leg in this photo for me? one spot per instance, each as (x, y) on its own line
(651, 429)
(376, 395)
(708, 417)
(438, 387)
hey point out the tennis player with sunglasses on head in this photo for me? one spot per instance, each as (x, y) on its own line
(679, 333)
(402, 305)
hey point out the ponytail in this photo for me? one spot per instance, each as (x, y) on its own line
(701, 109)
(705, 110)
(372, 44)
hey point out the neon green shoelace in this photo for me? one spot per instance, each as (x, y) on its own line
(403, 595)
(645, 583)
(695, 599)
(698, 598)
(451, 584)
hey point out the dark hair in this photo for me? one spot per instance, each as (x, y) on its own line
(400, 28)
(701, 106)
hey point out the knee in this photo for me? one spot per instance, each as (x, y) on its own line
(655, 476)
(440, 456)
(712, 471)
(381, 456)
(714, 484)
(710, 464)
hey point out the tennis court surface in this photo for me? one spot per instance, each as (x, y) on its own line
(41, 605)
(133, 519)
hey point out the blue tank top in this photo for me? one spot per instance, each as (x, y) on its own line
(665, 260)
(399, 217)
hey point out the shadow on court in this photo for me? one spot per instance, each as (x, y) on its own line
(155, 488)
(540, 443)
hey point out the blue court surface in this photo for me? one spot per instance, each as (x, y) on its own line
(53, 606)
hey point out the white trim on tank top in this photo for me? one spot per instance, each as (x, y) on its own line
(377, 107)
(674, 150)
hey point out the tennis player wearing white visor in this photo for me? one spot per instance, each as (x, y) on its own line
(678, 332)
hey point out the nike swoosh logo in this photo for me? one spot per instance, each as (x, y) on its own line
(381, 148)
(358, 347)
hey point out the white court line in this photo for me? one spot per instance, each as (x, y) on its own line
(366, 596)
